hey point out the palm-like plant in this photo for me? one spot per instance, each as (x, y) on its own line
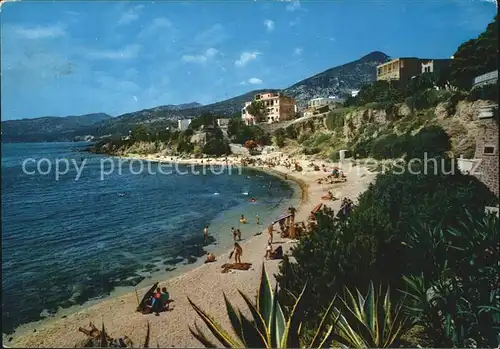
(269, 328)
(370, 321)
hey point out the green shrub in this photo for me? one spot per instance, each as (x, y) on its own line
(311, 151)
(291, 132)
(485, 93)
(321, 138)
(335, 120)
(389, 146)
(303, 137)
(370, 245)
(432, 140)
(374, 105)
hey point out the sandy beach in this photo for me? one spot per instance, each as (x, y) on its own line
(205, 284)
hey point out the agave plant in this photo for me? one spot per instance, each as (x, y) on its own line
(268, 328)
(370, 321)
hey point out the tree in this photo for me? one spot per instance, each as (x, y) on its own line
(258, 110)
(280, 137)
(206, 119)
(235, 127)
(475, 57)
(140, 133)
(216, 144)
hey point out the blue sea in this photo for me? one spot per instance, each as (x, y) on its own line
(72, 239)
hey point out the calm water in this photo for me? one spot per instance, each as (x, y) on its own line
(67, 241)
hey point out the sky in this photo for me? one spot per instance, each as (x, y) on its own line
(70, 58)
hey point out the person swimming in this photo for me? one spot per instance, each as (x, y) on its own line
(243, 219)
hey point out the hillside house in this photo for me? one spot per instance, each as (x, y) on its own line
(404, 68)
(278, 106)
(182, 125)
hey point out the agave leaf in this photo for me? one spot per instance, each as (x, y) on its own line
(146, 340)
(280, 323)
(235, 320)
(315, 341)
(370, 312)
(265, 298)
(293, 326)
(272, 330)
(257, 317)
(104, 341)
(252, 337)
(219, 333)
(200, 336)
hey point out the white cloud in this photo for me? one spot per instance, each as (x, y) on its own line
(213, 36)
(269, 24)
(293, 5)
(130, 15)
(246, 57)
(211, 52)
(254, 81)
(40, 32)
(155, 27)
(128, 52)
(298, 51)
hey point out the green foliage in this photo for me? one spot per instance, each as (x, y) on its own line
(291, 132)
(452, 101)
(335, 121)
(257, 109)
(216, 144)
(370, 321)
(432, 140)
(485, 93)
(206, 119)
(424, 99)
(280, 135)
(321, 138)
(269, 328)
(303, 137)
(239, 133)
(311, 151)
(371, 243)
(475, 57)
(457, 297)
(184, 144)
(140, 133)
(421, 83)
(383, 92)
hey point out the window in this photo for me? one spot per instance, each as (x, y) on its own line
(489, 150)
(379, 71)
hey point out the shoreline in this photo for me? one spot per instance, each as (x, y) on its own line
(203, 283)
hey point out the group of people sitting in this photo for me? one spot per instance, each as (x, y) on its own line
(332, 178)
(273, 254)
(158, 302)
(345, 207)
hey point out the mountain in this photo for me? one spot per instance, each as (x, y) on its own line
(339, 80)
(48, 128)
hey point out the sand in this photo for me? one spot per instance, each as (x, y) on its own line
(205, 284)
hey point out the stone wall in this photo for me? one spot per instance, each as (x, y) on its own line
(487, 171)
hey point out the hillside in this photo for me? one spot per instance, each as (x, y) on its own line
(337, 80)
(49, 128)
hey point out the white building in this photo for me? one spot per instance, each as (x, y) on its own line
(222, 123)
(183, 124)
(354, 93)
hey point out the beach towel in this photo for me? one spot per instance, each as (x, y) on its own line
(236, 266)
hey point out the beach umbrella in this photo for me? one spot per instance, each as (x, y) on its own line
(146, 296)
(280, 218)
(317, 208)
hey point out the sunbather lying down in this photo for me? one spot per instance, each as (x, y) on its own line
(236, 266)
(210, 258)
(329, 196)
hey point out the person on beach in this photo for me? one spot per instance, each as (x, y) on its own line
(205, 233)
(234, 232)
(238, 233)
(269, 251)
(156, 304)
(270, 232)
(165, 298)
(210, 258)
(258, 219)
(238, 252)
